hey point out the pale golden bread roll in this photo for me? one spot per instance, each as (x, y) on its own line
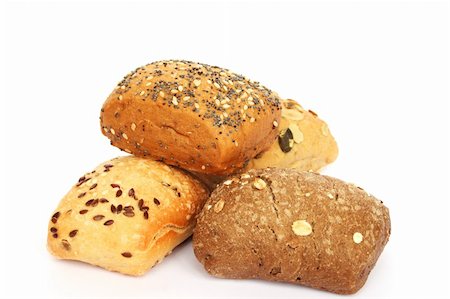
(126, 215)
(304, 142)
(201, 118)
(292, 226)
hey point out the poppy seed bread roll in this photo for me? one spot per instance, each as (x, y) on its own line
(126, 215)
(201, 118)
(292, 226)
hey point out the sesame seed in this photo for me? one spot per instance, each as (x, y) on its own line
(174, 101)
(259, 184)
(357, 237)
(125, 136)
(120, 97)
(142, 93)
(126, 254)
(245, 107)
(227, 182)
(112, 131)
(186, 98)
(174, 91)
(133, 126)
(216, 85)
(197, 82)
(148, 83)
(196, 105)
(180, 88)
(161, 94)
(226, 106)
(275, 124)
(252, 120)
(73, 233)
(83, 212)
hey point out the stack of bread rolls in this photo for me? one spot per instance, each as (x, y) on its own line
(202, 134)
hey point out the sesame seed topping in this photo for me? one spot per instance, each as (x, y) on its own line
(175, 101)
(252, 119)
(197, 82)
(156, 201)
(133, 126)
(126, 254)
(83, 212)
(180, 88)
(120, 97)
(125, 136)
(357, 237)
(196, 105)
(73, 233)
(301, 228)
(186, 98)
(259, 184)
(275, 124)
(142, 93)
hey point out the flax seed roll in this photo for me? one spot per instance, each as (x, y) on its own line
(292, 226)
(126, 215)
(201, 118)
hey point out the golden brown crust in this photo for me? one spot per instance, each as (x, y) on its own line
(199, 117)
(292, 226)
(126, 215)
(304, 142)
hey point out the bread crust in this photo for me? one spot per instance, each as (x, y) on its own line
(308, 145)
(296, 227)
(199, 117)
(126, 215)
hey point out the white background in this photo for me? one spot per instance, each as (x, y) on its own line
(377, 72)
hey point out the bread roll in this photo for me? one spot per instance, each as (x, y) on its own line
(304, 142)
(199, 117)
(126, 215)
(292, 226)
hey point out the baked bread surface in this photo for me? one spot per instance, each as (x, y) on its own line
(126, 215)
(292, 226)
(304, 142)
(199, 117)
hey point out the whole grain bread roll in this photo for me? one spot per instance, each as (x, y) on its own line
(126, 215)
(199, 117)
(304, 142)
(292, 226)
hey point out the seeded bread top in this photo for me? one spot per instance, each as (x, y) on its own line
(121, 209)
(198, 117)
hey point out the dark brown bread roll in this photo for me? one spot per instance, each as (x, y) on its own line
(199, 117)
(292, 226)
